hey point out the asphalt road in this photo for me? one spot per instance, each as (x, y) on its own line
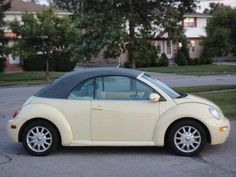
(214, 161)
(175, 80)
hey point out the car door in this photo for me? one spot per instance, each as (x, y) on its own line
(77, 110)
(121, 110)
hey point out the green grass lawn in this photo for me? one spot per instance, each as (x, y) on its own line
(207, 88)
(198, 70)
(26, 78)
(225, 100)
(221, 95)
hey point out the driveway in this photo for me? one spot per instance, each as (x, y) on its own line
(214, 161)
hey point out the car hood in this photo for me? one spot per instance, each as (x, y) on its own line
(196, 99)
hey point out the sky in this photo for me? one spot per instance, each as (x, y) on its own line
(204, 3)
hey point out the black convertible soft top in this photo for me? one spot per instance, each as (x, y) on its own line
(61, 87)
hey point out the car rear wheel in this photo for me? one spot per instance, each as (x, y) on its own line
(187, 138)
(40, 138)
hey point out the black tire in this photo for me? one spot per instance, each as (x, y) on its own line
(177, 142)
(53, 137)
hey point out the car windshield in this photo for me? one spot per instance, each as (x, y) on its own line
(169, 91)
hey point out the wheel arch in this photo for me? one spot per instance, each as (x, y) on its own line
(188, 118)
(38, 119)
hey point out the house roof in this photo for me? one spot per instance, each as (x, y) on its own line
(20, 6)
(197, 14)
(61, 87)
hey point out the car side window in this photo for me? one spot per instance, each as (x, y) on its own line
(121, 88)
(83, 91)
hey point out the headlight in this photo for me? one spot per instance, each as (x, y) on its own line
(214, 113)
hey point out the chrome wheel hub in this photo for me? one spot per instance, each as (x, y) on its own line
(187, 139)
(39, 139)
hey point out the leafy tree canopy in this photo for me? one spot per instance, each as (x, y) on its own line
(213, 7)
(115, 26)
(44, 33)
(4, 6)
(221, 36)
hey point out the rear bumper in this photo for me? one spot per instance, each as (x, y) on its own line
(13, 133)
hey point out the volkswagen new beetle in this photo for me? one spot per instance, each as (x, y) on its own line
(116, 107)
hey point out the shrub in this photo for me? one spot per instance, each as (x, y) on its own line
(191, 61)
(197, 61)
(185, 51)
(37, 63)
(2, 64)
(180, 59)
(164, 61)
(203, 60)
(144, 62)
(206, 60)
(127, 64)
(58, 62)
(209, 60)
(155, 61)
(206, 57)
(64, 63)
(145, 54)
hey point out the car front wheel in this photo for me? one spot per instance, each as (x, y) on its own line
(187, 138)
(40, 138)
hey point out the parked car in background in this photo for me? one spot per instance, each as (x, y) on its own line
(116, 107)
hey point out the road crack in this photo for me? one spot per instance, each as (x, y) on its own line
(200, 159)
(8, 159)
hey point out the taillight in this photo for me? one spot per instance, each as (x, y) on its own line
(16, 113)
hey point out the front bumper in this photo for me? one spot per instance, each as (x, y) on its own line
(217, 135)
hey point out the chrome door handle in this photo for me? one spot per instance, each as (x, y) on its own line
(98, 108)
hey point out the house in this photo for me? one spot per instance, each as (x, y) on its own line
(195, 29)
(194, 25)
(18, 8)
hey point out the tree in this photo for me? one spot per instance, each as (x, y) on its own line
(69, 5)
(44, 33)
(3, 40)
(114, 26)
(221, 36)
(213, 7)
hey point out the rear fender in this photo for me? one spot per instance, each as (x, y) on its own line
(50, 113)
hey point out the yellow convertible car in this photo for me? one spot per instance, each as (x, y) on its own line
(116, 107)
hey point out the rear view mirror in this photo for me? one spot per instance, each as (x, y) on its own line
(154, 97)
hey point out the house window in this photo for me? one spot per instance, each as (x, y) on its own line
(192, 47)
(158, 47)
(190, 22)
(169, 48)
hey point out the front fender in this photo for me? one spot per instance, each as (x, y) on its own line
(50, 113)
(185, 110)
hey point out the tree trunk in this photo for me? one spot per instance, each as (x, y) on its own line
(131, 35)
(47, 76)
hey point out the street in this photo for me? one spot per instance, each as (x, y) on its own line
(214, 161)
(175, 80)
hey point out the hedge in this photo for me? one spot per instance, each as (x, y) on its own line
(57, 62)
(180, 59)
(2, 64)
(164, 61)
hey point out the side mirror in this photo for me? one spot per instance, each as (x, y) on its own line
(154, 97)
